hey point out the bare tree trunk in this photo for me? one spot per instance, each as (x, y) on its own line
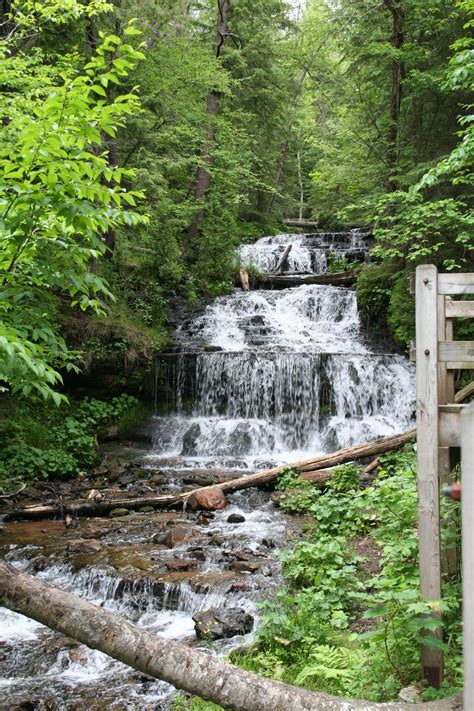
(193, 671)
(286, 144)
(349, 454)
(282, 264)
(398, 72)
(88, 507)
(203, 176)
(300, 181)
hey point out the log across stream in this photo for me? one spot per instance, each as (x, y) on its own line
(260, 380)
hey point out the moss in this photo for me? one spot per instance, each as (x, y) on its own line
(385, 304)
(401, 310)
(373, 296)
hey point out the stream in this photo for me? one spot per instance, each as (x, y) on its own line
(256, 379)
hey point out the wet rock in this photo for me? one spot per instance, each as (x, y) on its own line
(177, 534)
(92, 532)
(115, 513)
(146, 509)
(190, 439)
(84, 547)
(216, 540)
(240, 587)
(220, 623)
(244, 566)
(268, 543)
(177, 565)
(159, 538)
(198, 553)
(235, 518)
(101, 470)
(126, 478)
(207, 499)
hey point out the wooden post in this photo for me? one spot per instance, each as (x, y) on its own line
(427, 452)
(467, 465)
(445, 396)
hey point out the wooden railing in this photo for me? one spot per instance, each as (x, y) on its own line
(438, 355)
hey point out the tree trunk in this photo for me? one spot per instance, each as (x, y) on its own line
(282, 281)
(193, 671)
(398, 72)
(280, 267)
(342, 456)
(300, 182)
(93, 508)
(203, 176)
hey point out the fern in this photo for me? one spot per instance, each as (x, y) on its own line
(326, 662)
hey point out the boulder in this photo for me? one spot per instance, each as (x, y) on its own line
(208, 499)
(221, 623)
(190, 440)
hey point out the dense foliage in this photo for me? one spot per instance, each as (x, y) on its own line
(44, 443)
(356, 110)
(349, 621)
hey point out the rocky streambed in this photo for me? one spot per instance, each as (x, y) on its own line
(254, 380)
(158, 569)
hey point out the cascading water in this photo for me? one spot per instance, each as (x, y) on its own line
(272, 376)
(259, 378)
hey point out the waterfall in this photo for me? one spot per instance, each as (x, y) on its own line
(270, 376)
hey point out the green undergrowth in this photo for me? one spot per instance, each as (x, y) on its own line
(350, 618)
(41, 442)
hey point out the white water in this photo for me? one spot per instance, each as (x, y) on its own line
(309, 253)
(295, 377)
(291, 373)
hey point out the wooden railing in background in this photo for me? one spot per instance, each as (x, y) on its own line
(438, 427)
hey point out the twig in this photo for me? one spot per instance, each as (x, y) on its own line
(13, 493)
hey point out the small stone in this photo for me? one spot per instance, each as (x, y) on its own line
(244, 566)
(216, 540)
(268, 543)
(115, 513)
(92, 532)
(202, 520)
(84, 547)
(178, 534)
(146, 509)
(241, 587)
(235, 518)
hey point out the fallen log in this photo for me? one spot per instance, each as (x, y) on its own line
(193, 671)
(89, 507)
(315, 464)
(244, 279)
(280, 267)
(282, 281)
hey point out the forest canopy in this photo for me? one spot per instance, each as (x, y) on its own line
(143, 140)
